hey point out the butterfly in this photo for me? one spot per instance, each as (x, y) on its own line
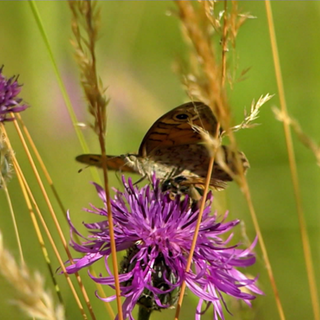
(172, 149)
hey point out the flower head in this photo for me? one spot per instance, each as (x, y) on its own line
(157, 233)
(9, 102)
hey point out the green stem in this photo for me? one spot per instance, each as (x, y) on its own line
(144, 313)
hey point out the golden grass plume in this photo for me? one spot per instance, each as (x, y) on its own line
(85, 26)
(31, 296)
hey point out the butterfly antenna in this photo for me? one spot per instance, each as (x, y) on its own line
(118, 174)
(80, 170)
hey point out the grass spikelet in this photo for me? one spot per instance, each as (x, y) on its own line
(236, 21)
(302, 136)
(85, 27)
(253, 115)
(207, 27)
(203, 69)
(31, 296)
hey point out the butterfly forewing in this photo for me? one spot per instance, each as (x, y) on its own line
(116, 163)
(175, 127)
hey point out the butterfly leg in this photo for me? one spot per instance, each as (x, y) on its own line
(141, 179)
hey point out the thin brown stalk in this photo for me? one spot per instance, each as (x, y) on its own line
(87, 14)
(224, 46)
(215, 96)
(247, 194)
(196, 231)
(209, 54)
(4, 148)
(13, 217)
(195, 236)
(293, 168)
(63, 210)
(40, 239)
(30, 199)
(53, 215)
(28, 196)
(37, 230)
(42, 165)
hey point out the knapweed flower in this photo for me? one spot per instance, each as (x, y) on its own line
(9, 101)
(157, 232)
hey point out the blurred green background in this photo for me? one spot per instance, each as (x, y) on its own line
(139, 43)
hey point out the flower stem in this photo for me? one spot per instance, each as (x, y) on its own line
(144, 313)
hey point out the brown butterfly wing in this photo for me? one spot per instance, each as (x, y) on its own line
(117, 163)
(171, 147)
(175, 127)
(191, 162)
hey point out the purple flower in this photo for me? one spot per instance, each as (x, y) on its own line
(157, 233)
(9, 102)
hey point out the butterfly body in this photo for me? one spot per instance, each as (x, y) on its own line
(172, 149)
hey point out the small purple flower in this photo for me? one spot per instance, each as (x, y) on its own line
(157, 233)
(9, 102)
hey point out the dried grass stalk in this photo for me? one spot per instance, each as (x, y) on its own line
(207, 26)
(85, 27)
